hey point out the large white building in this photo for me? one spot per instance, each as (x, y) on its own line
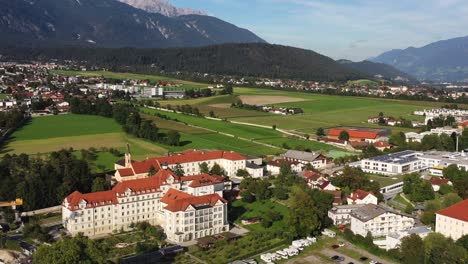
(393, 240)
(453, 221)
(185, 207)
(415, 137)
(393, 164)
(189, 161)
(378, 220)
(341, 214)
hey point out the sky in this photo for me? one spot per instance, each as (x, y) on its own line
(343, 29)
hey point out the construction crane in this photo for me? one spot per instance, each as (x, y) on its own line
(12, 204)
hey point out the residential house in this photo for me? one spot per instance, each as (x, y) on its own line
(317, 160)
(341, 214)
(361, 197)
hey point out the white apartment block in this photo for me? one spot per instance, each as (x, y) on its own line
(394, 164)
(378, 220)
(341, 214)
(453, 221)
(189, 162)
(415, 137)
(185, 207)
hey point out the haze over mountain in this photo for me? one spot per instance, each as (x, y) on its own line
(110, 23)
(162, 7)
(445, 60)
(379, 70)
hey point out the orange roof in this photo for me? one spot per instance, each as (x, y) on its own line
(354, 133)
(125, 172)
(145, 185)
(202, 180)
(179, 201)
(359, 195)
(438, 181)
(458, 211)
(382, 144)
(312, 175)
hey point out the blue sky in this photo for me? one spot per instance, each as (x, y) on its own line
(349, 29)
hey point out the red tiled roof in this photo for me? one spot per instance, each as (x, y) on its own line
(179, 201)
(125, 172)
(144, 166)
(312, 175)
(359, 194)
(92, 199)
(354, 133)
(277, 163)
(458, 211)
(438, 181)
(382, 144)
(202, 180)
(324, 184)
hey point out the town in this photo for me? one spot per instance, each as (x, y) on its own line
(148, 167)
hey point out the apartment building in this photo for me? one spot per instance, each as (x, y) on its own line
(178, 204)
(378, 220)
(395, 163)
(189, 161)
(341, 214)
(453, 221)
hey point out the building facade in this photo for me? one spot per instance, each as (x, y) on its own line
(453, 221)
(189, 161)
(361, 197)
(317, 160)
(177, 204)
(341, 215)
(394, 164)
(379, 221)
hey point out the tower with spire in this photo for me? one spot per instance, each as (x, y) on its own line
(128, 157)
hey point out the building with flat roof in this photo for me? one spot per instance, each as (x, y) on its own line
(453, 221)
(379, 220)
(395, 163)
(341, 214)
(393, 240)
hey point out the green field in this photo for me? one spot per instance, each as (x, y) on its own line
(51, 133)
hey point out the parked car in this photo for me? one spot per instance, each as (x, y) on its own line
(363, 258)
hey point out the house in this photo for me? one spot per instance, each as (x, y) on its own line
(436, 182)
(393, 240)
(186, 208)
(379, 221)
(189, 161)
(337, 200)
(341, 214)
(382, 145)
(355, 135)
(254, 170)
(317, 160)
(274, 166)
(453, 221)
(313, 178)
(326, 186)
(361, 197)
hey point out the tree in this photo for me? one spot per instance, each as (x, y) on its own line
(152, 170)
(303, 219)
(204, 167)
(212, 114)
(344, 135)
(409, 209)
(242, 173)
(9, 215)
(99, 185)
(179, 171)
(412, 249)
(463, 242)
(445, 189)
(247, 197)
(216, 170)
(3, 240)
(173, 138)
(320, 132)
(443, 250)
(78, 249)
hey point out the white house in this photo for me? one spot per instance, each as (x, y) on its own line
(341, 214)
(453, 221)
(361, 197)
(315, 159)
(274, 166)
(393, 240)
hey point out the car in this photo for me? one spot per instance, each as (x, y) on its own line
(350, 262)
(335, 257)
(363, 258)
(340, 259)
(341, 244)
(335, 246)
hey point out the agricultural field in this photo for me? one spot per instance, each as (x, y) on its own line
(254, 134)
(132, 76)
(319, 110)
(51, 133)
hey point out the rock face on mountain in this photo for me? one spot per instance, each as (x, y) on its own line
(445, 60)
(109, 23)
(162, 7)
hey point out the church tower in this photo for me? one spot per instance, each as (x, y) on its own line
(128, 157)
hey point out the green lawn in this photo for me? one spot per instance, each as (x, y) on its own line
(47, 127)
(240, 210)
(386, 180)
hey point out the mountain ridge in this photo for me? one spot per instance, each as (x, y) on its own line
(443, 60)
(110, 23)
(162, 7)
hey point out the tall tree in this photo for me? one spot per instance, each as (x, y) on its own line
(412, 249)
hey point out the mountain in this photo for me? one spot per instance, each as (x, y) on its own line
(445, 60)
(162, 7)
(380, 70)
(255, 59)
(109, 23)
